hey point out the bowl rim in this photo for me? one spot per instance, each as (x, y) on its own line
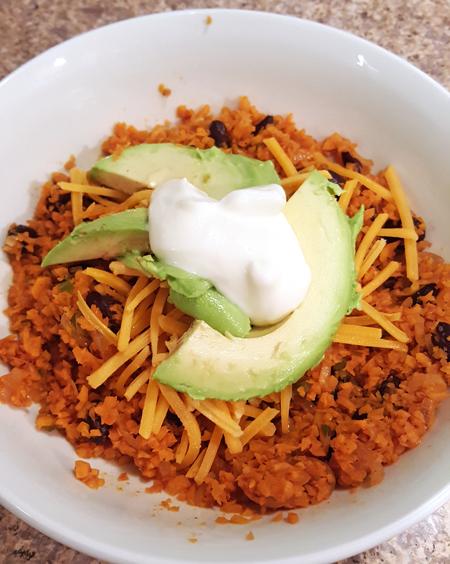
(64, 534)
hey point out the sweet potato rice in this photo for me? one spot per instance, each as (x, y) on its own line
(371, 399)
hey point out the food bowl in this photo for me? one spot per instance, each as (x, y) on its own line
(66, 101)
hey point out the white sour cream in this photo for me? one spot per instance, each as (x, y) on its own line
(242, 243)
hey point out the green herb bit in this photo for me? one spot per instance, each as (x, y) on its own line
(305, 385)
(76, 326)
(326, 430)
(66, 286)
(339, 366)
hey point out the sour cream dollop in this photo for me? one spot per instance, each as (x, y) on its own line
(242, 243)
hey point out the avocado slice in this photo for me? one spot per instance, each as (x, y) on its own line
(216, 310)
(207, 364)
(210, 170)
(194, 296)
(106, 237)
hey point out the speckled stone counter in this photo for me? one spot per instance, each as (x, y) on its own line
(418, 30)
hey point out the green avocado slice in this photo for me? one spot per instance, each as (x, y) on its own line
(210, 170)
(207, 364)
(106, 237)
(215, 309)
(194, 295)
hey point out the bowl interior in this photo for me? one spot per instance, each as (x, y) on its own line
(66, 102)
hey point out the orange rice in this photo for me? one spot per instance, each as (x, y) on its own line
(355, 413)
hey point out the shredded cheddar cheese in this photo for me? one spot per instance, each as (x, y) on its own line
(367, 320)
(189, 423)
(384, 322)
(149, 410)
(160, 414)
(137, 362)
(368, 239)
(399, 232)
(358, 338)
(279, 154)
(95, 321)
(138, 382)
(95, 190)
(100, 376)
(258, 424)
(371, 257)
(412, 263)
(298, 179)
(109, 279)
(345, 198)
(157, 310)
(285, 402)
(77, 176)
(347, 173)
(210, 455)
(380, 278)
(210, 410)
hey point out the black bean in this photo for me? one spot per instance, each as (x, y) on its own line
(87, 201)
(359, 416)
(63, 200)
(101, 264)
(424, 291)
(219, 133)
(390, 283)
(268, 120)
(386, 388)
(32, 233)
(97, 424)
(417, 224)
(104, 302)
(173, 418)
(392, 224)
(442, 336)
(348, 158)
(336, 178)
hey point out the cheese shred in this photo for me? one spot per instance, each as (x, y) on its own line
(412, 263)
(283, 160)
(210, 455)
(258, 424)
(369, 238)
(189, 422)
(108, 279)
(95, 321)
(96, 190)
(384, 322)
(347, 173)
(380, 278)
(360, 339)
(149, 410)
(371, 257)
(285, 403)
(210, 410)
(108, 368)
(345, 198)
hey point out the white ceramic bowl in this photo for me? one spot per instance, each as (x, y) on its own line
(66, 101)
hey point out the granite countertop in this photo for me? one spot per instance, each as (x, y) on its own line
(418, 30)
